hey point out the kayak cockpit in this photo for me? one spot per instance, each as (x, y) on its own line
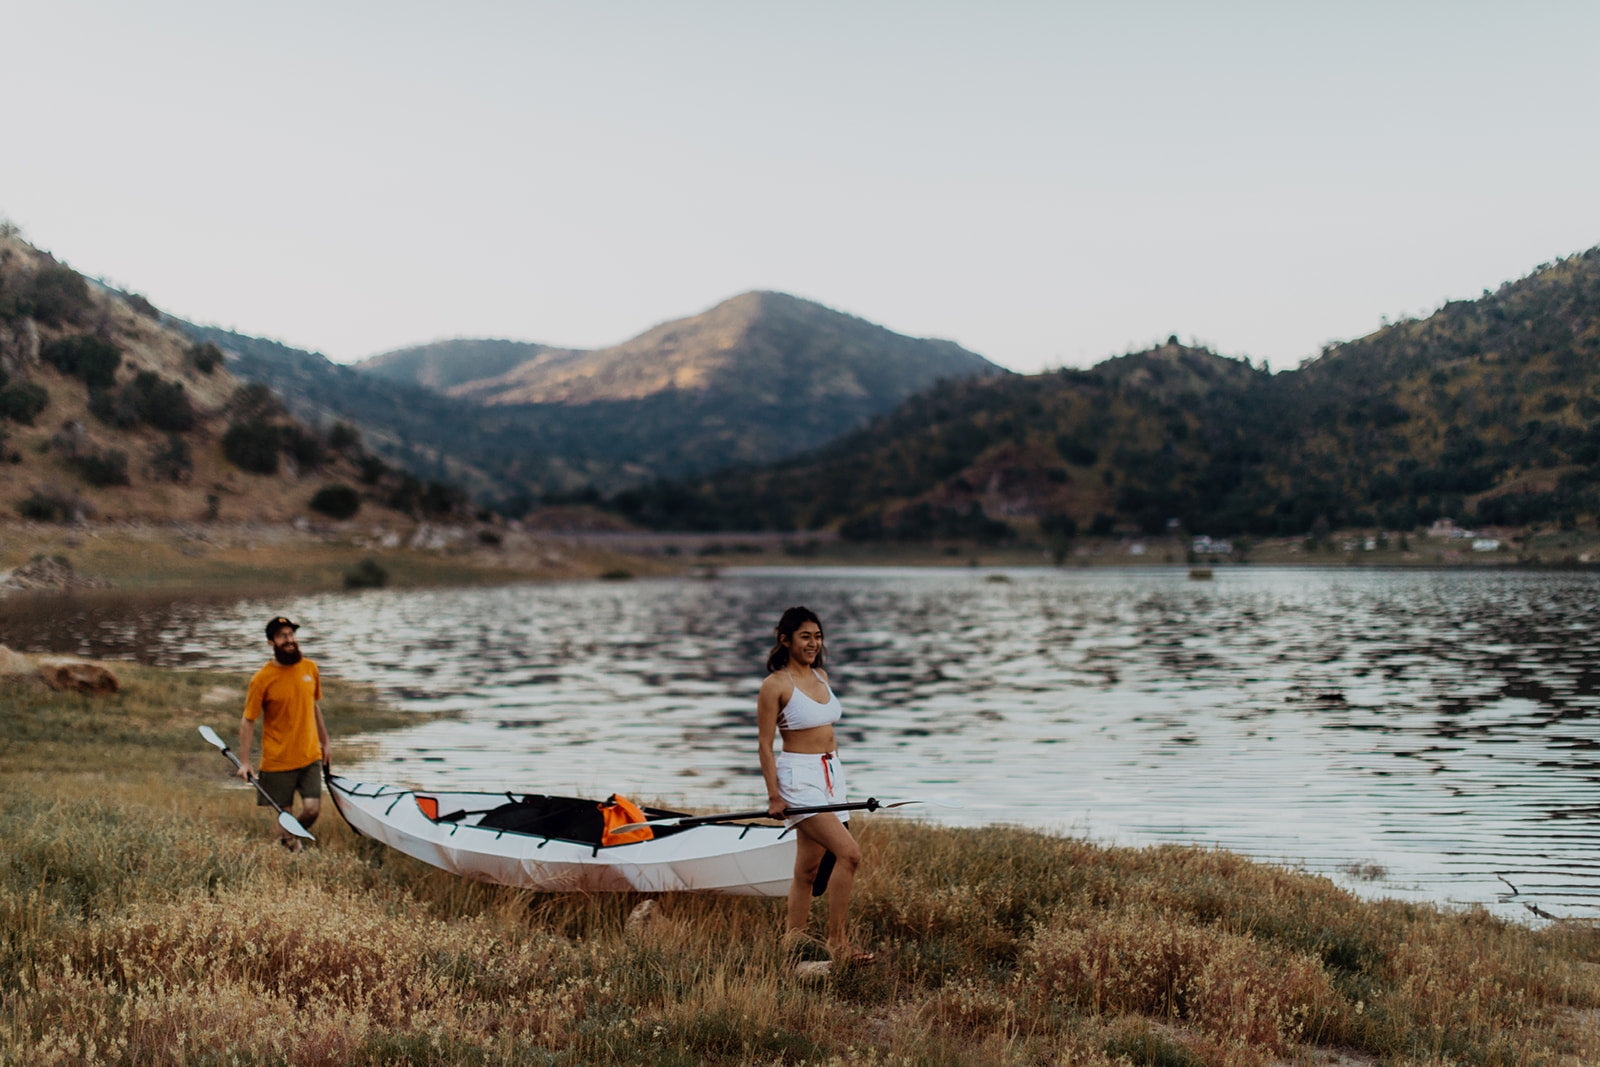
(555, 818)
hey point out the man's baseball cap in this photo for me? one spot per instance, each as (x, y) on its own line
(279, 623)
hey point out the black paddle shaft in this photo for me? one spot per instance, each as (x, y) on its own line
(251, 778)
(870, 804)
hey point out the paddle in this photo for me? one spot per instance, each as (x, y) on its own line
(680, 821)
(285, 820)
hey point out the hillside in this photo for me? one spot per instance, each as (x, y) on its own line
(1486, 408)
(757, 378)
(968, 459)
(107, 413)
(770, 412)
(759, 348)
(411, 427)
(1484, 412)
(443, 365)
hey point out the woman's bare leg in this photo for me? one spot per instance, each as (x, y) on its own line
(807, 858)
(825, 833)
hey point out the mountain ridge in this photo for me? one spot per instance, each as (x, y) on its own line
(1486, 411)
(683, 397)
(752, 333)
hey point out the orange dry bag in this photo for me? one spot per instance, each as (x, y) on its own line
(620, 811)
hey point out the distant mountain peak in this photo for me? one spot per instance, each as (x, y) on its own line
(754, 348)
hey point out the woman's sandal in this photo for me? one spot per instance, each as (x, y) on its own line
(848, 955)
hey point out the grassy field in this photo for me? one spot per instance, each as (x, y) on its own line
(249, 559)
(147, 918)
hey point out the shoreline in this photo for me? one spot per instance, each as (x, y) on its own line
(250, 559)
(235, 560)
(147, 916)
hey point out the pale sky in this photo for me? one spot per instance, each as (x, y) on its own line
(1047, 184)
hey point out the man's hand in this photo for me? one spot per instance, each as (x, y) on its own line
(243, 771)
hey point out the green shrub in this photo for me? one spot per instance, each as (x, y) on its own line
(174, 462)
(114, 408)
(252, 446)
(103, 468)
(373, 468)
(441, 500)
(407, 496)
(1075, 451)
(143, 306)
(163, 404)
(148, 399)
(255, 402)
(205, 357)
(1059, 525)
(1149, 1048)
(92, 360)
(23, 401)
(307, 449)
(336, 501)
(56, 295)
(343, 437)
(44, 505)
(368, 574)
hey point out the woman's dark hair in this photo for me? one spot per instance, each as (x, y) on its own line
(792, 620)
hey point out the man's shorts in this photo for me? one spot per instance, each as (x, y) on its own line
(810, 780)
(281, 786)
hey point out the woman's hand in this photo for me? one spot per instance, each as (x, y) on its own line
(776, 806)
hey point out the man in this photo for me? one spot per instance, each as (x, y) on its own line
(286, 695)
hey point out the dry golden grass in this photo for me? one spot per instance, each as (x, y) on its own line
(147, 917)
(233, 560)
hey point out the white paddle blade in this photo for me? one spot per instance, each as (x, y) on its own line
(211, 737)
(291, 824)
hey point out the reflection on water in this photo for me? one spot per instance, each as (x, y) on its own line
(1431, 735)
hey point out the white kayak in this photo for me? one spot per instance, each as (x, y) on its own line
(553, 843)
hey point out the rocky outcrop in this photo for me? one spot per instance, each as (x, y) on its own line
(59, 672)
(78, 676)
(19, 346)
(14, 664)
(48, 572)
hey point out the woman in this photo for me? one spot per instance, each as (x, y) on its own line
(797, 704)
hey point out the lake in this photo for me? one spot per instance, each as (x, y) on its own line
(1429, 735)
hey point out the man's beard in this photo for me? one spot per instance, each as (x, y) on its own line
(288, 656)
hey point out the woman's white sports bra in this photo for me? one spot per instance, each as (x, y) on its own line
(802, 712)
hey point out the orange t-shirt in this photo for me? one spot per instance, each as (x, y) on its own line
(285, 699)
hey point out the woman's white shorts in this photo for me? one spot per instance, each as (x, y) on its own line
(809, 780)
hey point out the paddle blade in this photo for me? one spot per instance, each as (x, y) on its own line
(938, 802)
(211, 737)
(291, 824)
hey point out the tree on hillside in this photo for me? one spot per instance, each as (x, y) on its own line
(253, 446)
(92, 360)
